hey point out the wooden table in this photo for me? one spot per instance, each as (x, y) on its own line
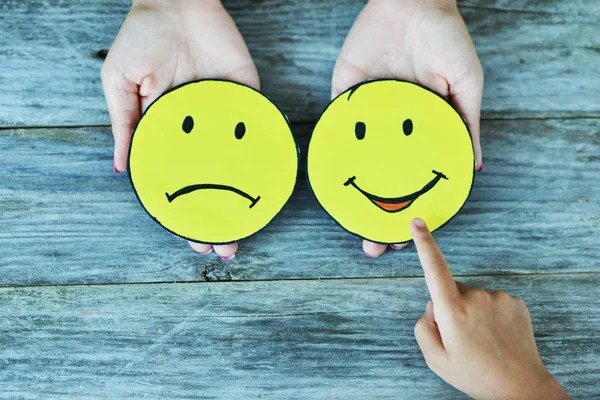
(98, 302)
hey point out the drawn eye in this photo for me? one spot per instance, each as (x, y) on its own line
(188, 124)
(240, 130)
(359, 130)
(407, 126)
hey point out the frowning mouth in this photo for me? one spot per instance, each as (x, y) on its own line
(396, 204)
(203, 186)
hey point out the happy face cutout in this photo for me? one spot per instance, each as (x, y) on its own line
(385, 152)
(213, 161)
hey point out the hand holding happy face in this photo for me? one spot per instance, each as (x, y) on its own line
(160, 45)
(385, 152)
(481, 343)
(419, 41)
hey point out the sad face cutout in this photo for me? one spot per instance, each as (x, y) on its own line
(213, 161)
(385, 152)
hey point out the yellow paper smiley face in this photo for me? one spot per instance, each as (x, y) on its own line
(213, 161)
(385, 152)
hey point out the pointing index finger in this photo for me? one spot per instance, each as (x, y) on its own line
(441, 284)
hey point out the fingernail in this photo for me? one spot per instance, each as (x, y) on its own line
(480, 169)
(207, 251)
(369, 255)
(227, 258)
(429, 305)
(115, 170)
(396, 246)
(419, 222)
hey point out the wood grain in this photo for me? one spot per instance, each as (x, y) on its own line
(285, 325)
(295, 339)
(540, 57)
(66, 218)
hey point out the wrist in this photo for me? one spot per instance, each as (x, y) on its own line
(547, 388)
(412, 7)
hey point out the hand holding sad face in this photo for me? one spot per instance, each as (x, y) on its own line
(163, 44)
(419, 41)
(204, 158)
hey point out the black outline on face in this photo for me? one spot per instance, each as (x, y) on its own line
(410, 198)
(212, 80)
(204, 186)
(350, 91)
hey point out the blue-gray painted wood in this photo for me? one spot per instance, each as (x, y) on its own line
(66, 218)
(540, 57)
(294, 339)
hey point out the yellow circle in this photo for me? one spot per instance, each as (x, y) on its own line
(385, 152)
(213, 161)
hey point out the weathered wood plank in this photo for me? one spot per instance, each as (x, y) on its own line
(315, 339)
(540, 57)
(536, 6)
(66, 218)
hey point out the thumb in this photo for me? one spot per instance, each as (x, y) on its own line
(345, 74)
(429, 338)
(466, 97)
(124, 109)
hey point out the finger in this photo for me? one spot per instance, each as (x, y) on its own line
(155, 84)
(429, 338)
(441, 285)
(462, 288)
(150, 88)
(373, 250)
(398, 246)
(124, 109)
(227, 251)
(346, 74)
(201, 248)
(466, 97)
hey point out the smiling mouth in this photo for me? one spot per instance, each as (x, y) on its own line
(396, 204)
(203, 186)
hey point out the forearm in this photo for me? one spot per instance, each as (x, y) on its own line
(181, 4)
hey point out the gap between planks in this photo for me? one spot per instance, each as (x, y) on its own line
(358, 278)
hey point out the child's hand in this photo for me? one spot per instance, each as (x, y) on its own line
(481, 343)
(423, 41)
(160, 45)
